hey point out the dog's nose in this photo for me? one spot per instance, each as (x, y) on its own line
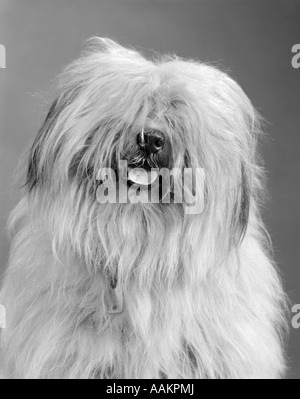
(151, 141)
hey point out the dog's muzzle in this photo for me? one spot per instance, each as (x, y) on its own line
(151, 154)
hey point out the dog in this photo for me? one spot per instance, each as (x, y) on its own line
(139, 289)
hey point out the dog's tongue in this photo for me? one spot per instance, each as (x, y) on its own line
(142, 176)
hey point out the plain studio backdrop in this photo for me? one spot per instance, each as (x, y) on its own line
(252, 39)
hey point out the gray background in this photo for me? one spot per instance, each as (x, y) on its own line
(253, 39)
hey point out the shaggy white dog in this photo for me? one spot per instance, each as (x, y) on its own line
(142, 290)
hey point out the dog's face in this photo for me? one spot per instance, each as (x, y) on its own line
(113, 105)
(146, 148)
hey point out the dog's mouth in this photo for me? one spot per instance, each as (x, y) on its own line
(146, 181)
(142, 175)
(143, 169)
(146, 174)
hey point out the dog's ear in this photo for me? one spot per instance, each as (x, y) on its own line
(238, 126)
(36, 170)
(242, 207)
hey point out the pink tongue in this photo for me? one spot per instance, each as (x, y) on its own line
(141, 176)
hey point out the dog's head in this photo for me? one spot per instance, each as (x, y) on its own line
(114, 105)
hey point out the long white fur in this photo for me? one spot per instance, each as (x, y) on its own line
(202, 296)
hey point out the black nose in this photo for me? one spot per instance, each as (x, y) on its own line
(151, 141)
